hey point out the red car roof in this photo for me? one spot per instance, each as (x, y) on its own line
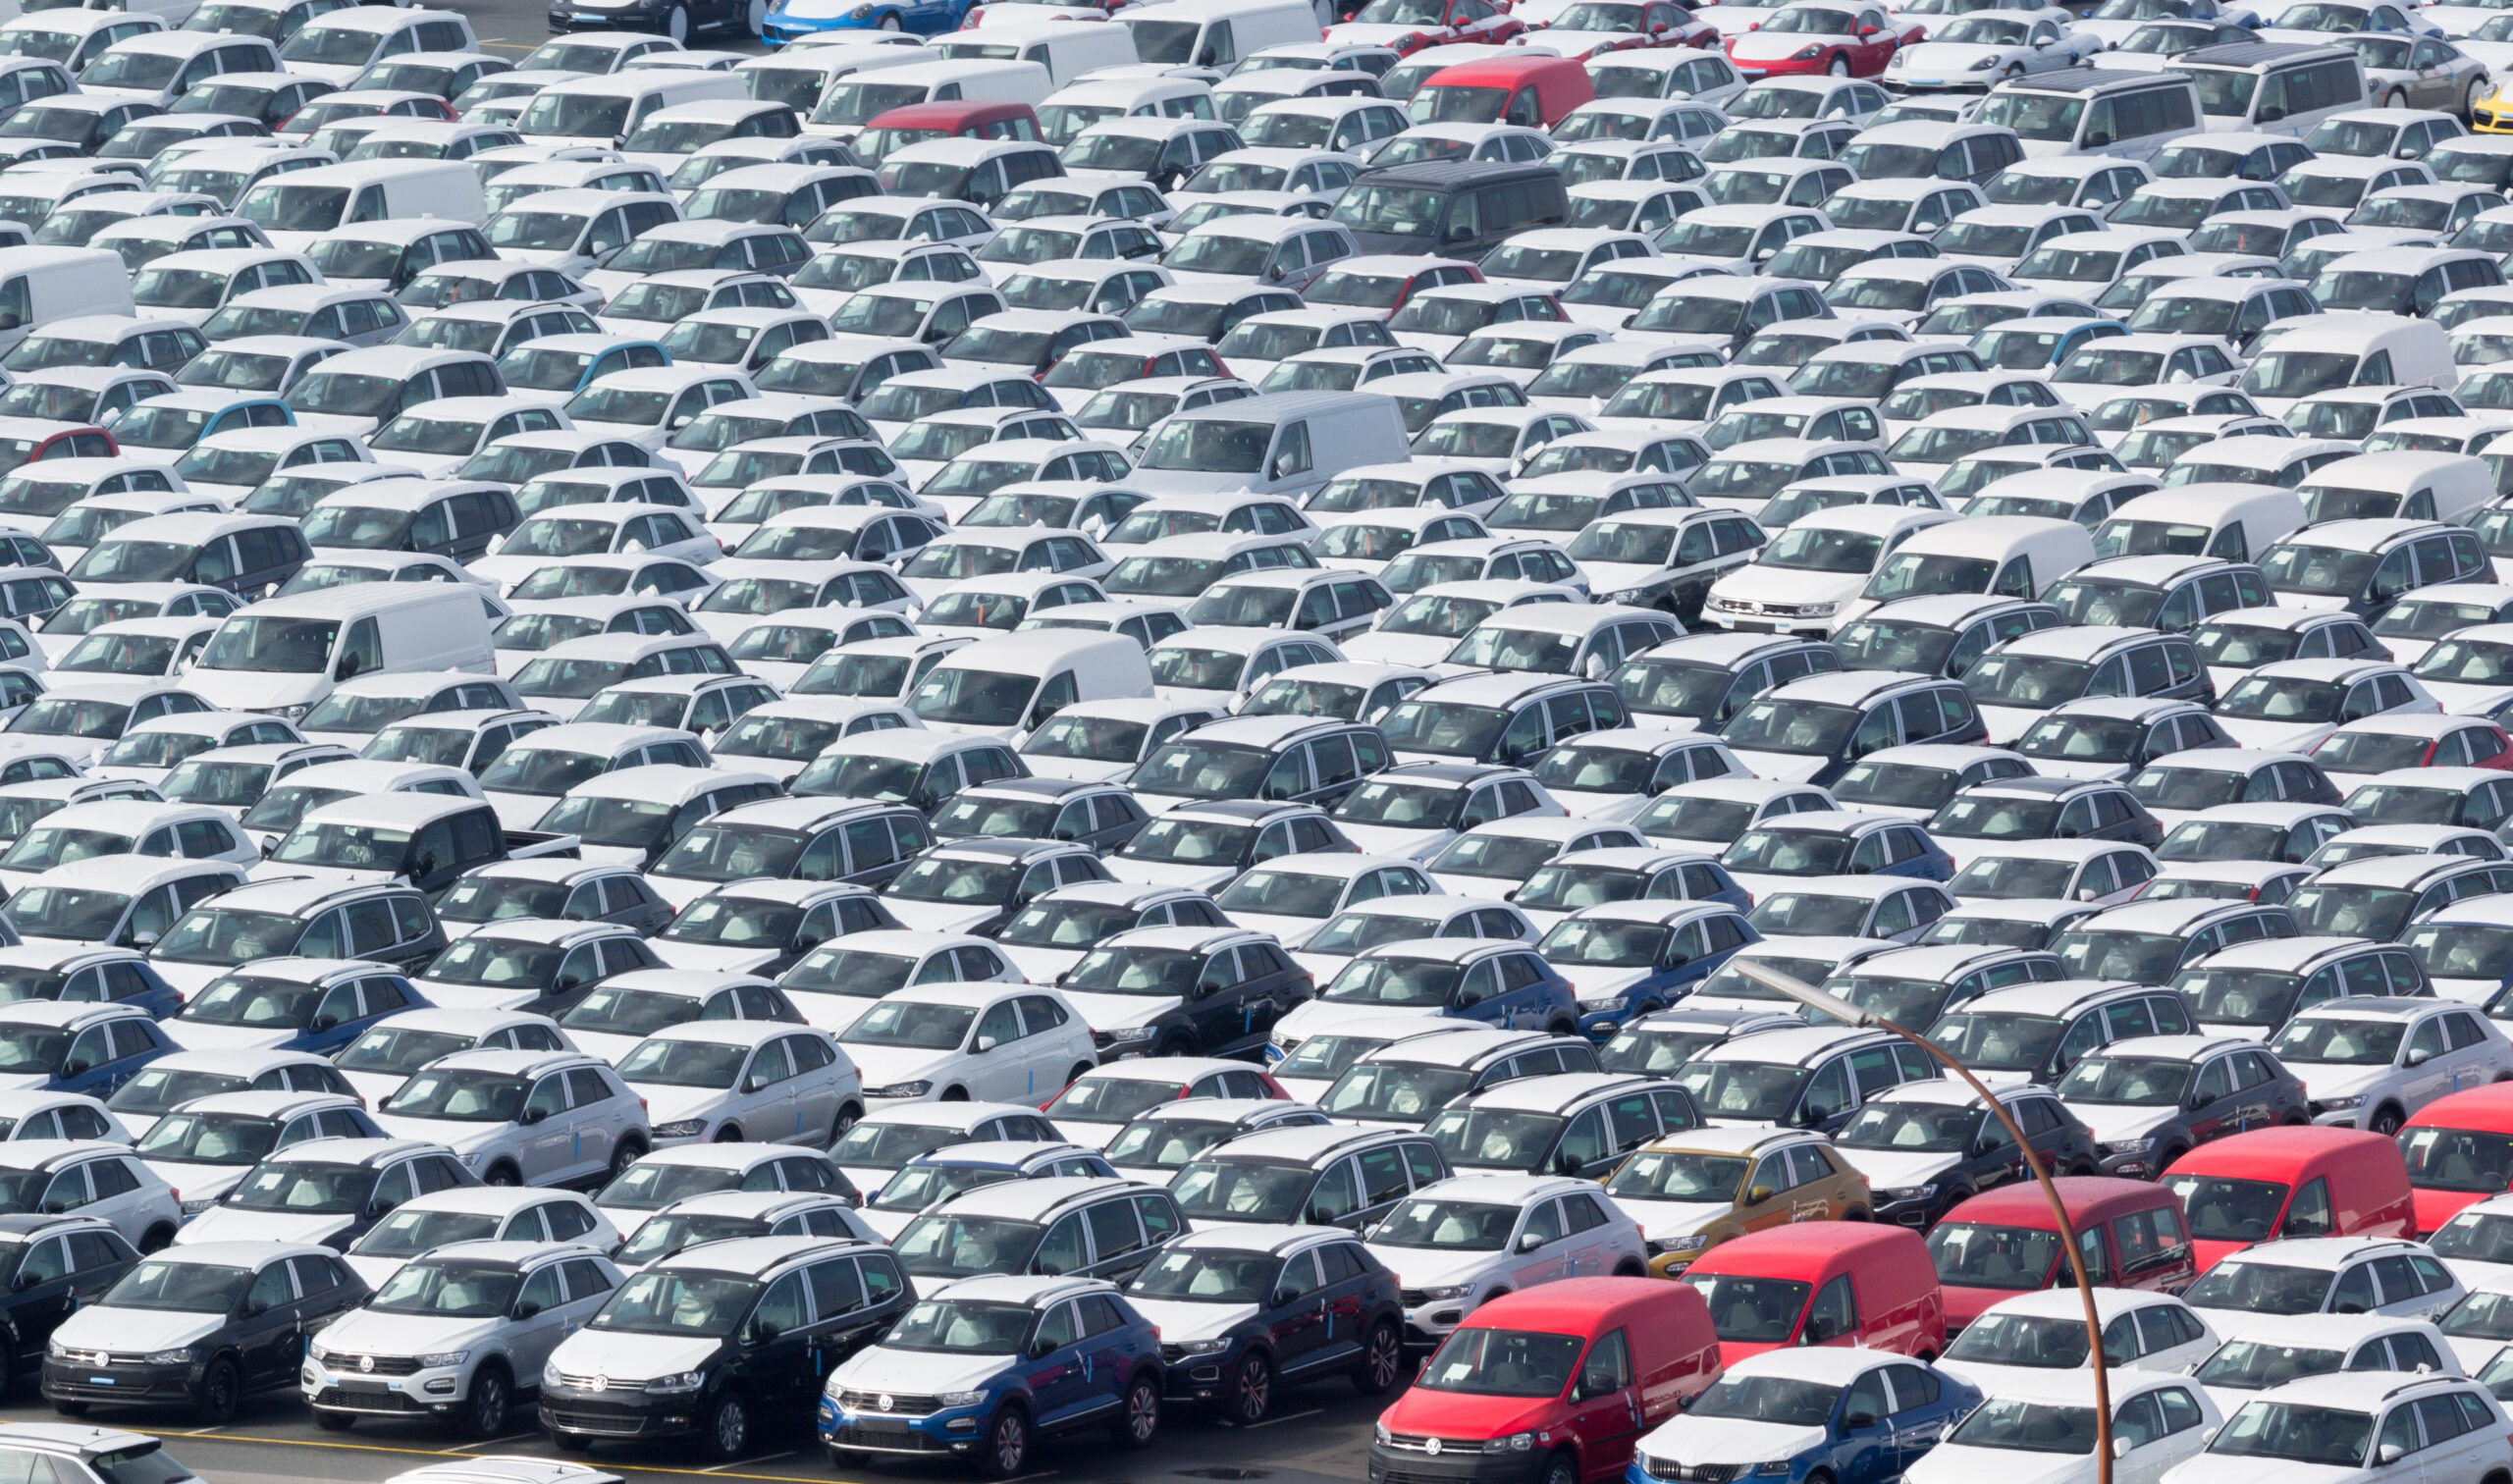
(2088, 1197)
(950, 116)
(1500, 72)
(1813, 1241)
(2285, 1150)
(1579, 1305)
(2488, 1109)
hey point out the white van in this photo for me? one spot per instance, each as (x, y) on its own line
(1010, 686)
(1066, 49)
(2405, 484)
(297, 210)
(1288, 444)
(2233, 521)
(2082, 112)
(40, 284)
(853, 102)
(2272, 87)
(338, 46)
(604, 111)
(800, 77)
(1217, 33)
(2000, 555)
(283, 655)
(1071, 110)
(2324, 353)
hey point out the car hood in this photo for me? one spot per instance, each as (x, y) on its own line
(2006, 724)
(1464, 1415)
(376, 1086)
(1118, 1012)
(1587, 804)
(608, 1047)
(1081, 769)
(2323, 1079)
(2099, 771)
(2114, 1122)
(2474, 1354)
(1177, 1320)
(1886, 1170)
(461, 1137)
(1319, 1017)
(374, 1270)
(1615, 576)
(1661, 1219)
(2468, 700)
(1428, 1267)
(1946, 1464)
(2268, 736)
(668, 1105)
(525, 811)
(367, 1332)
(1786, 768)
(722, 957)
(1397, 649)
(1594, 982)
(192, 1035)
(1290, 931)
(1765, 584)
(919, 1372)
(888, 1066)
(1041, 966)
(631, 1358)
(2233, 1468)
(130, 1329)
(940, 917)
(1729, 1439)
(227, 1224)
(1937, 58)
(197, 1182)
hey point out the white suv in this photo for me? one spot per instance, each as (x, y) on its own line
(2370, 1062)
(2323, 1275)
(1455, 1244)
(2355, 1429)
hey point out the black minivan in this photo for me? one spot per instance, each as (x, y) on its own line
(1451, 209)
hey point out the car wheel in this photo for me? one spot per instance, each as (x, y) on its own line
(889, 23)
(1630, 1268)
(847, 1118)
(1840, 68)
(331, 1421)
(1007, 1444)
(1139, 1421)
(955, 1094)
(484, 1411)
(503, 1175)
(157, 1239)
(2387, 1121)
(727, 1429)
(729, 1133)
(1251, 1390)
(2394, 99)
(221, 1389)
(1562, 1468)
(1178, 1044)
(756, 19)
(1075, 1076)
(629, 1153)
(1383, 1360)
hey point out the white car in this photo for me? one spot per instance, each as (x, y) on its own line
(2370, 1063)
(2476, 1244)
(766, 1080)
(457, 1331)
(205, 1147)
(2040, 1333)
(988, 1042)
(2273, 1352)
(2350, 1429)
(2040, 1426)
(1455, 1244)
(2323, 1275)
(477, 1213)
(1991, 46)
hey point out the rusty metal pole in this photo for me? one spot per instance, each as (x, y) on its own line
(1848, 1014)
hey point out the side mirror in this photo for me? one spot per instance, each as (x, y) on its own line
(754, 1083)
(1280, 1297)
(2389, 1453)
(1281, 467)
(1599, 1382)
(2419, 1057)
(1529, 1242)
(527, 1309)
(1859, 1419)
(1760, 1194)
(325, 1022)
(1565, 1164)
(1039, 1348)
(534, 1116)
(761, 1332)
(2210, 1436)
(268, 846)
(348, 666)
(984, 1044)
(74, 1066)
(1274, 273)
(2120, 1447)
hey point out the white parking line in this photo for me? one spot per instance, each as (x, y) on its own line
(493, 1442)
(1286, 1417)
(746, 1463)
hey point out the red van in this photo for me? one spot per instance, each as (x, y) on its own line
(1591, 1365)
(2459, 1150)
(1822, 1283)
(1533, 90)
(924, 123)
(2296, 1182)
(2005, 1242)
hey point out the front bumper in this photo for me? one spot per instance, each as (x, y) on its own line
(778, 29)
(435, 1390)
(1916, 1212)
(1674, 1264)
(615, 1412)
(1459, 1465)
(1599, 1024)
(1428, 1321)
(119, 1381)
(944, 1432)
(2350, 1117)
(564, 19)
(2488, 117)
(2138, 1165)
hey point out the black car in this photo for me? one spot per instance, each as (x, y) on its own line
(776, 1313)
(141, 1341)
(1928, 1146)
(2180, 1092)
(1238, 1311)
(1102, 816)
(50, 1268)
(328, 1190)
(1185, 992)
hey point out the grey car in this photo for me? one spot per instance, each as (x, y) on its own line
(524, 1117)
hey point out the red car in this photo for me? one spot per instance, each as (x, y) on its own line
(2005, 1242)
(1840, 37)
(25, 440)
(2459, 1150)
(924, 123)
(1406, 26)
(2299, 1182)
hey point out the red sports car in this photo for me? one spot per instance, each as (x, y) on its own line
(1409, 25)
(1594, 28)
(1842, 37)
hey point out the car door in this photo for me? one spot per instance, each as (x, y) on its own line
(1545, 1257)
(998, 1062)
(1060, 1383)
(266, 1336)
(545, 1313)
(42, 1294)
(546, 1136)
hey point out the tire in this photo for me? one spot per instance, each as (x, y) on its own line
(1630, 1269)
(2387, 1120)
(630, 1151)
(71, 1409)
(567, 1441)
(729, 1133)
(222, 1390)
(1383, 1362)
(955, 1094)
(1563, 1028)
(489, 1408)
(1075, 1076)
(1139, 1419)
(1859, 1213)
(1175, 1045)
(331, 1421)
(2394, 99)
(1839, 67)
(755, 20)
(727, 1431)
(1251, 1393)
(157, 1239)
(1007, 1445)
(844, 1124)
(503, 1174)
(1562, 1468)
(676, 23)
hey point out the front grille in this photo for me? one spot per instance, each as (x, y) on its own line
(595, 1383)
(1420, 1443)
(600, 1424)
(1693, 1473)
(889, 1404)
(907, 1439)
(365, 1401)
(1413, 1298)
(1412, 1476)
(376, 1365)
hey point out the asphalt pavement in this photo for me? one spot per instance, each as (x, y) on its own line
(1320, 1434)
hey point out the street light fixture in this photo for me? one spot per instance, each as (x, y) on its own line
(1835, 1007)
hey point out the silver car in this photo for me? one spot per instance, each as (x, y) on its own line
(524, 1117)
(2417, 71)
(449, 1334)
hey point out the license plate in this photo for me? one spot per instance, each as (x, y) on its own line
(100, 1380)
(882, 1424)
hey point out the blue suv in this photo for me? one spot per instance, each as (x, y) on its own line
(1855, 1416)
(1628, 959)
(71, 1046)
(981, 1369)
(1494, 981)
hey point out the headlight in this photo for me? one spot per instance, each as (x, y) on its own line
(2336, 1105)
(1775, 1466)
(318, 1354)
(196, 1207)
(1379, 1433)
(1807, 54)
(1635, 597)
(57, 1350)
(686, 1381)
(860, 13)
(900, 1089)
(170, 1357)
(1456, 1290)
(1134, 1034)
(289, 713)
(2129, 1146)
(1601, 1001)
(961, 1399)
(1513, 1443)
(1898, 59)
(1906, 1192)
(1985, 64)
(443, 1358)
(1660, 1247)
(687, 1127)
(550, 1380)
(1202, 1346)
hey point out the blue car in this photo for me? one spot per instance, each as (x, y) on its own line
(67, 1047)
(1628, 959)
(1625, 874)
(1501, 983)
(292, 1004)
(86, 973)
(568, 363)
(979, 1371)
(1856, 1416)
(787, 20)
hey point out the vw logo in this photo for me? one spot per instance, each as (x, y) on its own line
(883, 1401)
(601, 1382)
(1431, 1446)
(366, 1362)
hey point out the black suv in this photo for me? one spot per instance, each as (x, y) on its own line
(1184, 991)
(1228, 1346)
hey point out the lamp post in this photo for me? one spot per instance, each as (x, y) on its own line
(1848, 1014)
